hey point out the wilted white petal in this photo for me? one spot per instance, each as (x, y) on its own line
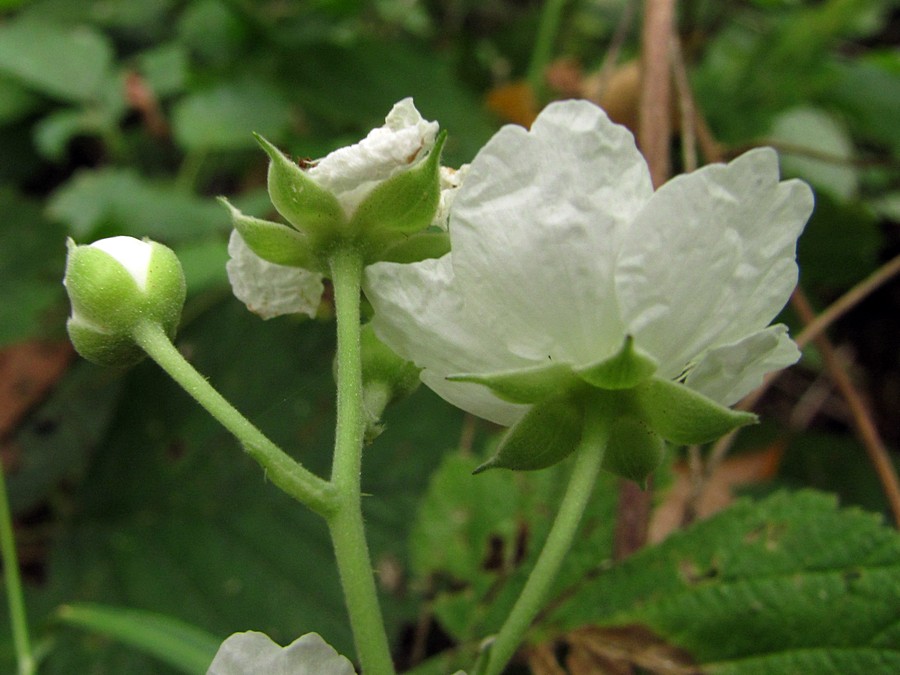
(711, 258)
(536, 227)
(420, 314)
(267, 289)
(728, 373)
(252, 653)
(353, 171)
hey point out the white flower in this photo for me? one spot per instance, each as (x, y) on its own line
(251, 653)
(561, 249)
(349, 175)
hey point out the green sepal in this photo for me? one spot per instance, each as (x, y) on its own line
(304, 204)
(105, 349)
(627, 368)
(634, 450)
(404, 203)
(272, 241)
(416, 247)
(528, 385)
(101, 290)
(547, 434)
(683, 416)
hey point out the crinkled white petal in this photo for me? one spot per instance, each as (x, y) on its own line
(711, 258)
(422, 317)
(133, 254)
(536, 227)
(729, 372)
(251, 653)
(354, 171)
(267, 289)
(451, 180)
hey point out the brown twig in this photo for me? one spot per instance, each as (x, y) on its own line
(654, 125)
(654, 135)
(596, 85)
(687, 108)
(848, 301)
(862, 419)
(835, 311)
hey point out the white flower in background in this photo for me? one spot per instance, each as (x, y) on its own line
(351, 196)
(561, 250)
(253, 653)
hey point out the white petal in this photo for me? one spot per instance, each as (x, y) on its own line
(267, 289)
(728, 373)
(133, 254)
(711, 258)
(251, 653)
(353, 171)
(451, 180)
(420, 315)
(536, 227)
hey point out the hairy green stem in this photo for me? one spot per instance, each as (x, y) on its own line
(548, 28)
(280, 468)
(346, 522)
(13, 582)
(588, 458)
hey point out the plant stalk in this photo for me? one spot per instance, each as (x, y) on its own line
(588, 458)
(280, 468)
(13, 581)
(345, 523)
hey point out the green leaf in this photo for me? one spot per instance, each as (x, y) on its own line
(274, 242)
(624, 370)
(547, 434)
(683, 416)
(814, 130)
(66, 62)
(169, 515)
(120, 201)
(308, 207)
(179, 644)
(476, 538)
(16, 101)
(528, 385)
(224, 117)
(788, 584)
(32, 260)
(403, 204)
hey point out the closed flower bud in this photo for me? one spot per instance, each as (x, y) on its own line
(114, 284)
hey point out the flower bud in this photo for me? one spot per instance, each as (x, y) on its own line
(114, 284)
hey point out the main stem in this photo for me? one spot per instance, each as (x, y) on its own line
(346, 522)
(281, 468)
(17, 615)
(588, 459)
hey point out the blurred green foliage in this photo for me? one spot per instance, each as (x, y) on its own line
(122, 117)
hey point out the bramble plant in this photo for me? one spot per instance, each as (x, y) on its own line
(590, 314)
